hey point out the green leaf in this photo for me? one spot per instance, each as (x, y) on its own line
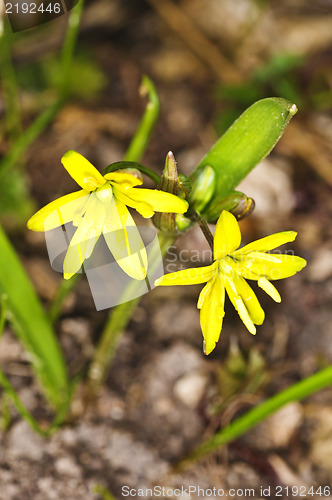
(32, 326)
(245, 144)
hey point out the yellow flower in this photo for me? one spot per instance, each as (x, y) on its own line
(100, 207)
(228, 271)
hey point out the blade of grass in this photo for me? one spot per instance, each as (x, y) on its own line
(24, 412)
(10, 393)
(115, 326)
(31, 325)
(144, 131)
(66, 286)
(29, 136)
(105, 494)
(3, 312)
(9, 83)
(68, 47)
(243, 424)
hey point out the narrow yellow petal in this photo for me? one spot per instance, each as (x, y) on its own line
(212, 313)
(82, 171)
(227, 236)
(269, 289)
(59, 211)
(142, 207)
(193, 276)
(239, 305)
(261, 257)
(159, 201)
(85, 238)
(250, 300)
(203, 294)
(124, 241)
(268, 243)
(124, 179)
(254, 268)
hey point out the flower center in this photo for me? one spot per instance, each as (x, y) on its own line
(104, 192)
(226, 266)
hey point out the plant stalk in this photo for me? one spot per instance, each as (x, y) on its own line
(144, 131)
(115, 325)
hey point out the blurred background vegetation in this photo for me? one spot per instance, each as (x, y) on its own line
(210, 60)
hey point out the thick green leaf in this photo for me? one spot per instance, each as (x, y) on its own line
(32, 326)
(245, 144)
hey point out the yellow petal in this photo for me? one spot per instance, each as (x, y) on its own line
(59, 211)
(269, 289)
(142, 207)
(86, 236)
(124, 241)
(203, 294)
(124, 179)
(212, 312)
(239, 305)
(254, 268)
(272, 258)
(82, 171)
(267, 243)
(250, 300)
(193, 276)
(159, 201)
(227, 236)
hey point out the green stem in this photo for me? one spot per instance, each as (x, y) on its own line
(297, 391)
(142, 136)
(68, 47)
(121, 314)
(205, 230)
(116, 324)
(149, 173)
(64, 289)
(24, 412)
(118, 165)
(9, 83)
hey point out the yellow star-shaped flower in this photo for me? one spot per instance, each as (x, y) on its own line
(100, 207)
(228, 272)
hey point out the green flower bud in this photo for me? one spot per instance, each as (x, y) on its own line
(203, 189)
(182, 222)
(237, 203)
(184, 185)
(169, 183)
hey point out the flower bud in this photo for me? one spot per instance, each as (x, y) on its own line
(203, 188)
(184, 185)
(169, 183)
(237, 203)
(182, 222)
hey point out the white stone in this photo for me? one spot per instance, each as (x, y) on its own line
(190, 388)
(25, 443)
